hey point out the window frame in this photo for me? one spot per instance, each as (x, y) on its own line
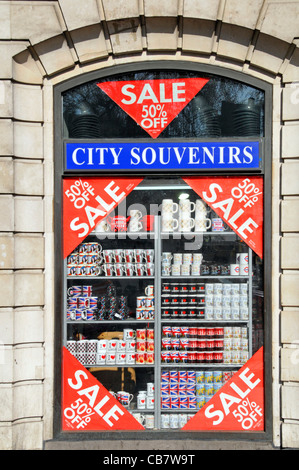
(266, 171)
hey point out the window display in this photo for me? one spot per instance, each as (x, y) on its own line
(162, 308)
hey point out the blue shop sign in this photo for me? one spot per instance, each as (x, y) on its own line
(144, 156)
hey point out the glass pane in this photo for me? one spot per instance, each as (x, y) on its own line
(223, 108)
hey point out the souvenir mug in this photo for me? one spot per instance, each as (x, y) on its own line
(202, 224)
(108, 269)
(218, 225)
(169, 224)
(124, 398)
(187, 206)
(170, 207)
(186, 223)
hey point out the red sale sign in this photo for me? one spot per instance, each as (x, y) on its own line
(153, 104)
(238, 405)
(88, 405)
(238, 200)
(86, 201)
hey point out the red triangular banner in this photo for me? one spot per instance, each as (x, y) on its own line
(238, 405)
(86, 201)
(238, 200)
(87, 404)
(153, 104)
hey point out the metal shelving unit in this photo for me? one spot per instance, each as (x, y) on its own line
(158, 239)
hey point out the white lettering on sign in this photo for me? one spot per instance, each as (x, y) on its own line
(227, 205)
(247, 409)
(190, 156)
(112, 197)
(102, 405)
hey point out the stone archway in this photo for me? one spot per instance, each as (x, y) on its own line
(47, 42)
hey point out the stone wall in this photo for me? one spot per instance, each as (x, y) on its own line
(45, 42)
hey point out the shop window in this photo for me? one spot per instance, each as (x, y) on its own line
(162, 254)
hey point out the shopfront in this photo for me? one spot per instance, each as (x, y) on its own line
(163, 273)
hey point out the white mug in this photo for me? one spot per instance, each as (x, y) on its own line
(124, 398)
(129, 255)
(130, 269)
(187, 258)
(166, 269)
(108, 269)
(195, 269)
(120, 357)
(130, 345)
(168, 206)
(135, 225)
(244, 270)
(176, 269)
(165, 421)
(218, 225)
(174, 421)
(186, 223)
(135, 214)
(111, 345)
(111, 357)
(130, 357)
(120, 345)
(200, 205)
(169, 224)
(149, 291)
(183, 418)
(119, 269)
(242, 258)
(128, 334)
(202, 224)
(234, 269)
(197, 258)
(185, 269)
(150, 269)
(177, 258)
(149, 421)
(139, 255)
(102, 345)
(101, 358)
(150, 402)
(141, 400)
(140, 269)
(166, 256)
(102, 226)
(149, 255)
(187, 206)
(108, 256)
(118, 256)
(139, 417)
(150, 387)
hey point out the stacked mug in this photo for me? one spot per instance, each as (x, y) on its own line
(169, 208)
(181, 264)
(186, 222)
(135, 224)
(128, 262)
(202, 223)
(145, 398)
(240, 267)
(145, 304)
(85, 260)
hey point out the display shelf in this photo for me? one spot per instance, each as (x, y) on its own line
(117, 366)
(220, 244)
(107, 278)
(108, 322)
